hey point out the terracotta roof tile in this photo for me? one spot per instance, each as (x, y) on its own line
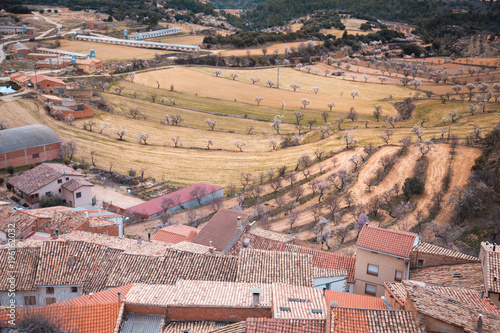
(25, 266)
(320, 259)
(491, 263)
(397, 291)
(275, 266)
(40, 176)
(39, 78)
(441, 251)
(298, 302)
(190, 326)
(450, 310)
(191, 247)
(397, 243)
(278, 325)
(200, 293)
(23, 222)
(174, 234)
(347, 300)
(327, 272)
(351, 320)
(74, 184)
(221, 230)
(469, 276)
(277, 236)
(238, 327)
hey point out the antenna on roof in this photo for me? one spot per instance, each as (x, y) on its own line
(479, 327)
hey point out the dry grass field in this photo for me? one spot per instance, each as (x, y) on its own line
(109, 51)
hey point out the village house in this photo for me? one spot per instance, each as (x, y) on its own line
(382, 255)
(490, 263)
(174, 234)
(62, 107)
(50, 179)
(48, 85)
(21, 79)
(21, 49)
(223, 229)
(12, 29)
(88, 66)
(27, 145)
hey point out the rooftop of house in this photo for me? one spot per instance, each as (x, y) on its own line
(191, 247)
(450, 310)
(88, 61)
(201, 293)
(275, 267)
(270, 325)
(74, 184)
(298, 302)
(20, 138)
(461, 276)
(472, 297)
(277, 236)
(319, 272)
(204, 326)
(26, 266)
(347, 300)
(20, 219)
(441, 251)
(320, 259)
(42, 175)
(40, 78)
(354, 320)
(176, 233)
(392, 242)
(491, 262)
(221, 229)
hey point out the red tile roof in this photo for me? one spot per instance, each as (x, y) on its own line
(491, 264)
(471, 275)
(222, 229)
(154, 206)
(40, 78)
(347, 300)
(177, 233)
(397, 243)
(350, 320)
(40, 176)
(74, 184)
(278, 325)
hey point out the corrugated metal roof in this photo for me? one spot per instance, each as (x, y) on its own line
(25, 137)
(142, 323)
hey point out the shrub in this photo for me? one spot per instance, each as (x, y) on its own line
(132, 173)
(67, 161)
(9, 186)
(10, 170)
(1, 180)
(412, 186)
(50, 201)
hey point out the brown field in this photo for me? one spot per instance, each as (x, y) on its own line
(257, 51)
(109, 51)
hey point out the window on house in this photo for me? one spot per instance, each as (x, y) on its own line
(50, 300)
(49, 290)
(372, 269)
(35, 155)
(49, 194)
(398, 276)
(370, 289)
(59, 190)
(29, 300)
(59, 181)
(78, 194)
(420, 262)
(67, 178)
(74, 289)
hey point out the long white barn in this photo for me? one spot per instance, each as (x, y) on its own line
(155, 33)
(140, 43)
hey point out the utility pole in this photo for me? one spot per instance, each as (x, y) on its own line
(278, 79)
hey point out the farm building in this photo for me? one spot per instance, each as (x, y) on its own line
(139, 43)
(21, 79)
(77, 55)
(54, 63)
(99, 25)
(191, 196)
(22, 50)
(48, 85)
(66, 107)
(28, 144)
(89, 66)
(12, 29)
(50, 179)
(155, 33)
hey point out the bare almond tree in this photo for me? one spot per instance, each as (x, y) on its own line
(211, 123)
(143, 138)
(177, 141)
(121, 132)
(240, 144)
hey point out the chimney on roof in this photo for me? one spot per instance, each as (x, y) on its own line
(494, 246)
(495, 278)
(57, 232)
(72, 260)
(86, 214)
(238, 222)
(211, 249)
(334, 304)
(139, 240)
(119, 297)
(256, 295)
(479, 327)
(246, 242)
